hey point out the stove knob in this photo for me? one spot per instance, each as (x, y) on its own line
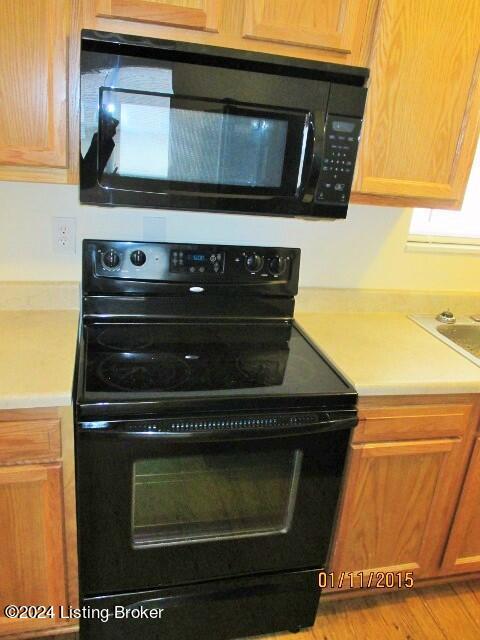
(253, 262)
(276, 265)
(138, 258)
(111, 259)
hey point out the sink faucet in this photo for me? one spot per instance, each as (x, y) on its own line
(446, 317)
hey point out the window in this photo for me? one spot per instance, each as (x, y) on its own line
(436, 229)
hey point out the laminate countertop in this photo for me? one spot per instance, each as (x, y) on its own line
(388, 354)
(37, 356)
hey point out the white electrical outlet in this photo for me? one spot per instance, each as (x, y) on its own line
(64, 235)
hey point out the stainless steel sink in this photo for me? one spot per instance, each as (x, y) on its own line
(463, 336)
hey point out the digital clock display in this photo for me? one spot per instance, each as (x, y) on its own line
(342, 126)
(192, 261)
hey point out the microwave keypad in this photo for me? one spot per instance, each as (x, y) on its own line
(338, 162)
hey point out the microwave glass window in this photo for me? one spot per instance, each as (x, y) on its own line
(194, 498)
(162, 138)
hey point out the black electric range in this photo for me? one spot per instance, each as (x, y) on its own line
(210, 436)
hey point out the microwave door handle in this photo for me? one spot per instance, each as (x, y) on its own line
(315, 142)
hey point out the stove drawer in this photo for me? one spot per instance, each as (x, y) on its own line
(412, 422)
(29, 440)
(207, 611)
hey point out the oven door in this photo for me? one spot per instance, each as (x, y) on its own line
(158, 509)
(165, 144)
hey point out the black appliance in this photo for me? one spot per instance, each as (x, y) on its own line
(183, 126)
(210, 440)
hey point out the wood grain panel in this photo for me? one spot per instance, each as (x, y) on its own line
(33, 83)
(462, 553)
(32, 552)
(69, 501)
(409, 422)
(423, 108)
(29, 441)
(37, 413)
(395, 506)
(331, 24)
(193, 14)
(231, 19)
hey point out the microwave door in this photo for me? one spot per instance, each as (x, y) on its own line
(159, 143)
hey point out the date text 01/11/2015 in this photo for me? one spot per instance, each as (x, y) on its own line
(366, 580)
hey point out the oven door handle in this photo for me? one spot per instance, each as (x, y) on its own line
(343, 420)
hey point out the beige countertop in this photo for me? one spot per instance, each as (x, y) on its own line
(388, 354)
(37, 355)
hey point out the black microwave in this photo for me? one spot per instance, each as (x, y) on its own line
(175, 125)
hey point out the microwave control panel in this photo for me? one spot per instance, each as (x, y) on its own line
(342, 135)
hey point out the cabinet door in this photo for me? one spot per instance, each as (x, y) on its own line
(194, 14)
(335, 25)
(462, 554)
(422, 117)
(32, 545)
(395, 506)
(33, 86)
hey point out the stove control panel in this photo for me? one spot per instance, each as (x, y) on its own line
(191, 263)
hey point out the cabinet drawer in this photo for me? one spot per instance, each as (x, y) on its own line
(411, 422)
(29, 440)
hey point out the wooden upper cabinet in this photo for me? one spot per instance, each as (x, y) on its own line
(193, 14)
(31, 553)
(462, 554)
(335, 25)
(33, 86)
(331, 30)
(423, 107)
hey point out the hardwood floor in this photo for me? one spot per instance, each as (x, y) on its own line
(447, 612)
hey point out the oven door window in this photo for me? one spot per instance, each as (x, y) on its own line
(162, 143)
(194, 498)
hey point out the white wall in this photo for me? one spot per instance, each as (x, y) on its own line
(366, 250)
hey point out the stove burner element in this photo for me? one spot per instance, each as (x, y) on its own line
(143, 372)
(267, 370)
(122, 337)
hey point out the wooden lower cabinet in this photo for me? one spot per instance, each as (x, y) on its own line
(31, 550)
(401, 490)
(37, 512)
(462, 554)
(394, 505)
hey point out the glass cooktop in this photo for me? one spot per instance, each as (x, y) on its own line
(157, 361)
